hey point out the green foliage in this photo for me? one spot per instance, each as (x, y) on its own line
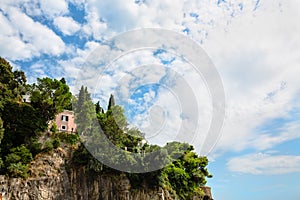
(84, 110)
(54, 128)
(71, 139)
(34, 146)
(18, 170)
(184, 174)
(48, 146)
(11, 83)
(49, 97)
(67, 137)
(17, 162)
(19, 154)
(1, 164)
(98, 108)
(56, 143)
(81, 156)
(21, 123)
(12, 158)
(111, 102)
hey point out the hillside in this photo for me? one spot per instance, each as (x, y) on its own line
(40, 161)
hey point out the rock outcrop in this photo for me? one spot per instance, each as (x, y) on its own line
(50, 179)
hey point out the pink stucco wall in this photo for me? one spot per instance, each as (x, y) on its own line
(65, 121)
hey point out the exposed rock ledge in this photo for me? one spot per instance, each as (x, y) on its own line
(50, 180)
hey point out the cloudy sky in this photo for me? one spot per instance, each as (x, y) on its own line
(253, 44)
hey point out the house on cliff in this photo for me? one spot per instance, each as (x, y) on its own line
(65, 121)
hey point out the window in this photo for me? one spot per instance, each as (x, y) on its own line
(64, 118)
(63, 128)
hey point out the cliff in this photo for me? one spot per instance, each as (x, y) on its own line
(51, 178)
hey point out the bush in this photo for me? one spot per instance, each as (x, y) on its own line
(35, 147)
(48, 146)
(68, 138)
(19, 154)
(54, 128)
(17, 161)
(18, 170)
(71, 139)
(56, 143)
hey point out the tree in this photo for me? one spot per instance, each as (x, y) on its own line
(21, 127)
(11, 83)
(20, 81)
(85, 113)
(186, 173)
(17, 162)
(19, 154)
(98, 108)
(63, 80)
(49, 97)
(111, 102)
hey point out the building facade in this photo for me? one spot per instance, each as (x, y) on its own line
(65, 121)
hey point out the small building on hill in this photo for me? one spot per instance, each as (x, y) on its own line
(65, 121)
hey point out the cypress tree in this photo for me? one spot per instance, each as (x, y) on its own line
(111, 102)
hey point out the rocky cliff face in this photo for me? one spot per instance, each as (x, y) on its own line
(50, 180)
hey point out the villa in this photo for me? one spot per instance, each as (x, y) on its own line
(65, 121)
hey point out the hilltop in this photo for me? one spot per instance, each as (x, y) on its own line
(39, 161)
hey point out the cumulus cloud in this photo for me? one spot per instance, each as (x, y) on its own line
(256, 58)
(254, 45)
(66, 25)
(29, 38)
(264, 164)
(54, 8)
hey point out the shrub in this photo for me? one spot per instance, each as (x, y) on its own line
(56, 143)
(68, 138)
(19, 154)
(48, 146)
(35, 147)
(54, 128)
(18, 170)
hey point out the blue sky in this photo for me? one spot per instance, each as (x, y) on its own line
(254, 45)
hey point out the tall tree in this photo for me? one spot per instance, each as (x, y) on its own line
(11, 83)
(49, 97)
(111, 102)
(98, 108)
(84, 110)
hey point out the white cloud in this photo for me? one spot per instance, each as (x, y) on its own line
(54, 7)
(49, 9)
(256, 54)
(66, 25)
(198, 17)
(28, 38)
(94, 27)
(265, 164)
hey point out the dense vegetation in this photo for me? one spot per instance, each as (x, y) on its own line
(22, 125)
